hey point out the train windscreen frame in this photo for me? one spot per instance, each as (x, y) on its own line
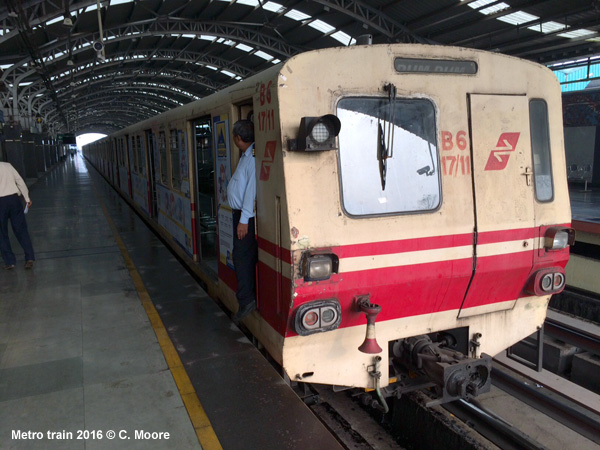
(388, 156)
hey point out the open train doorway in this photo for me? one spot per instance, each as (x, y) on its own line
(206, 209)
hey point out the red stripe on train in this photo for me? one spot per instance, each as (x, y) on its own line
(409, 245)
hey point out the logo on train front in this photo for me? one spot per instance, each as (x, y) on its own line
(265, 167)
(507, 143)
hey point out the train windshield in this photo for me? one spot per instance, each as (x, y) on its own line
(388, 156)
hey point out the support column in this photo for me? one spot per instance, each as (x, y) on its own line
(29, 154)
(40, 164)
(14, 148)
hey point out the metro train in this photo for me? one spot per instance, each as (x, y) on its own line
(412, 211)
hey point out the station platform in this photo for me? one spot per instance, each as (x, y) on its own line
(108, 343)
(584, 261)
(585, 209)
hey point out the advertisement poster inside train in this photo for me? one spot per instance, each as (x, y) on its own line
(225, 216)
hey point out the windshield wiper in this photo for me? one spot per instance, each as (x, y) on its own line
(382, 154)
(385, 151)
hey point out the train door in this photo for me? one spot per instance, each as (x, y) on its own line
(151, 173)
(128, 163)
(206, 204)
(245, 111)
(116, 162)
(504, 202)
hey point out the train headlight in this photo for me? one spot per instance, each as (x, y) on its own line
(318, 316)
(319, 267)
(316, 134)
(558, 238)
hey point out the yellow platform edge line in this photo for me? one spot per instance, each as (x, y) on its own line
(204, 431)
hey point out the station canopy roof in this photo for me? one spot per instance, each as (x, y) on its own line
(100, 65)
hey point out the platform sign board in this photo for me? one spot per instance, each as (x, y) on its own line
(68, 138)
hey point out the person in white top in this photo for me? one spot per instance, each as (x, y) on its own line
(241, 195)
(11, 208)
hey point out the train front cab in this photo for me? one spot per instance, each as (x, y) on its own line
(445, 220)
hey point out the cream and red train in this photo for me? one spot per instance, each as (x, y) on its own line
(412, 207)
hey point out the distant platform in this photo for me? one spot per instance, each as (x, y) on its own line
(585, 209)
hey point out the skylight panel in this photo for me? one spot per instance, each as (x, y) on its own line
(90, 8)
(228, 73)
(263, 55)
(548, 27)
(244, 47)
(273, 7)
(247, 2)
(343, 38)
(276, 61)
(118, 2)
(479, 3)
(494, 9)
(5, 66)
(189, 36)
(296, 15)
(321, 26)
(205, 37)
(517, 18)
(56, 19)
(576, 33)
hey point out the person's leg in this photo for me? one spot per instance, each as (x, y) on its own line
(244, 260)
(19, 226)
(5, 249)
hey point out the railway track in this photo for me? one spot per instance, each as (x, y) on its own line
(563, 405)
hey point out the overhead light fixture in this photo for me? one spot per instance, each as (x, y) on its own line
(70, 62)
(13, 14)
(68, 22)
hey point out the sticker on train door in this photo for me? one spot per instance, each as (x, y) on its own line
(507, 143)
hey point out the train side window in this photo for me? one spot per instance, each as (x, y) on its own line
(162, 150)
(540, 147)
(405, 181)
(134, 155)
(175, 159)
(140, 156)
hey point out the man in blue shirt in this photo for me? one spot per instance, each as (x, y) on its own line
(241, 195)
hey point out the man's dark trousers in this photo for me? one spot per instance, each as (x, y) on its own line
(245, 256)
(12, 208)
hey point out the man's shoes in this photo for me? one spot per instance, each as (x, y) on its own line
(28, 264)
(9, 266)
(244, 312)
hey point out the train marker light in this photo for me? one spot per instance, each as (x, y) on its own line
(319, 267)
(318, 316)
(557, 238)
(316, 134)
(546, 281)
